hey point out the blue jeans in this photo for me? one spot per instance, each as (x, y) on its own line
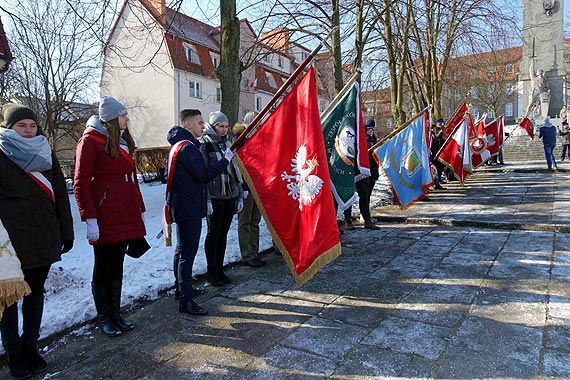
(564, 150)
(549, 153)
(188, 240)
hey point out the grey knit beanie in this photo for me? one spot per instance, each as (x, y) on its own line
(216, 118)
(110, 109)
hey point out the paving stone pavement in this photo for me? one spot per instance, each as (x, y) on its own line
(472, 284)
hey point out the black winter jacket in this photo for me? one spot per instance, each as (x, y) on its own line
(36, 225)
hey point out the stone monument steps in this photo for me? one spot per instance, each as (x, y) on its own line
(523, 149)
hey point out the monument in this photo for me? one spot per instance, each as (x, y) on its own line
(542, 65)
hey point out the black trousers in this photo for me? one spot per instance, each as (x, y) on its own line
(108, 265)
(362, 188)
(32, 311)
(218, 226)
(188, 235)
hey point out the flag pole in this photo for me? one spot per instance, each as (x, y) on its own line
(342, 92)
(252, 127)
(399, 129)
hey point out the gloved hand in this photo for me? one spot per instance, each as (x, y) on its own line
(229, 155)
(66, 246)
(210, 208)
(92, 229)
(239, 205)
(245, 194)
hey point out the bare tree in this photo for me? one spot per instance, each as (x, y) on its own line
(56, 60)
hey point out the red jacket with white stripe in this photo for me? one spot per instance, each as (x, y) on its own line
(107, 189)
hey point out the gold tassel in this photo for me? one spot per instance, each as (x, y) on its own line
(11, 290)
(168, 236)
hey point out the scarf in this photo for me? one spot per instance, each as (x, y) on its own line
(31, 154)
(231, 173)
(12, 283)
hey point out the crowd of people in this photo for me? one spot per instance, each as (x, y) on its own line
(203, 182)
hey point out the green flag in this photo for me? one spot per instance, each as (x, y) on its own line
(343, 128)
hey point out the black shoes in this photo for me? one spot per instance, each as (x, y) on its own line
(225, 279)
(195, 293)
(256, 262)
(371, 226)
(192, 308)
(214, 280)
(19, 368)
(108, 326)
(122, 323)
(33, 359)
(348, 225)
(439, 187)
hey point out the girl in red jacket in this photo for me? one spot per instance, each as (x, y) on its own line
(110, 202)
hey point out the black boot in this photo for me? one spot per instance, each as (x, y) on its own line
(33, 359)
(116, 289)
(19, 369)
(106, 323)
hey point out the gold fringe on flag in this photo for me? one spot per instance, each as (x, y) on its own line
(11, 290)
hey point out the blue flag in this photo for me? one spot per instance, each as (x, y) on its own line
(405, 161)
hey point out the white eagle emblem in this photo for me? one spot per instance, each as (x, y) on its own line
(303, 185)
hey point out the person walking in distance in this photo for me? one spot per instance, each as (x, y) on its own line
(35, 212)
(110, 202)
(565, 134)
(548, 135)
(189, 176)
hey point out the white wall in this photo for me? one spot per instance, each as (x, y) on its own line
(137, 71)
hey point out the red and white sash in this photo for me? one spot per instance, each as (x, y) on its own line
(43, 183)
(166, 220)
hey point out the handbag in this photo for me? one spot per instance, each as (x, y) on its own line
(137, 247)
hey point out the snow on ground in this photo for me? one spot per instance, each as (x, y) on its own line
(68, 288)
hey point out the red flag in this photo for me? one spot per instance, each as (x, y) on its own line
(501, 133)
(492, 132)
(285, 166)
(456, 152)
(526, 124)
(455, 120)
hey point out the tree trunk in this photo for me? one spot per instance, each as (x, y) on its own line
(229, 71)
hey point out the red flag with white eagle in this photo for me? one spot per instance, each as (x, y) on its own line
(285, 165)
(456, 151)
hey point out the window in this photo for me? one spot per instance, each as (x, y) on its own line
(457, 95)
(243, 84)
(218, 95)
(322, 105)
(509, 110)
(266, 58)
(474, 111)
(257, 103)
(195, 89)
(304, 56)
(491, 72)
(280, 61)
(473, 93)
(474, 73)
(271, 80)
(215, 62)
(510, 68)
(244, 112)
(191, 54)
(387, 108)
(509, 88)
(390, 123)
